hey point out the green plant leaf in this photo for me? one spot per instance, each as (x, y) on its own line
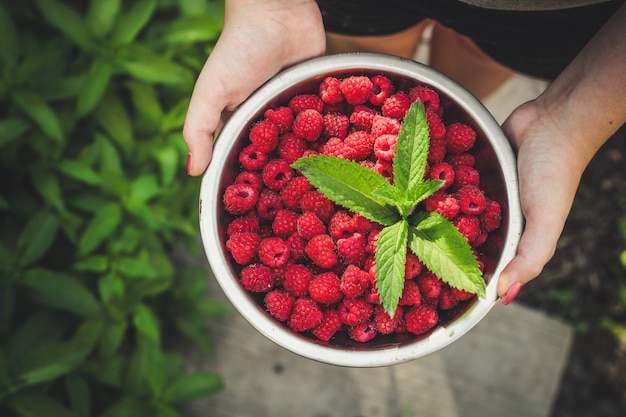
(47, 185)
(112, 116)
(9, 45)
(129, 406)
(79, 394)
(132, 267)
(112, 338)
(147, 323)
(132, 22)
(163, 410)
(440, 246)
(348, 184)
(68, 21)
(40, 112)
(52, 361)
(193, 386)
(11, 128)
(37, 237)
(94, 86)
(111, 286)
(61, 291)
(101, 16)
(151, 68)
(390, 259)
(36, 404)
(146, 101)
(79, 171)
(169, 163)
(409, 163)
(40, 328)
(193, 28)
(144, 188)
(101, 226)
(97, 263)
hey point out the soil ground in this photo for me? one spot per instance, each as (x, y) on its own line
(585, 284)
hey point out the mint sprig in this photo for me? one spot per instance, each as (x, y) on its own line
(430, 236)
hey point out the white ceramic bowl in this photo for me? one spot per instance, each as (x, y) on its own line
(494, 159)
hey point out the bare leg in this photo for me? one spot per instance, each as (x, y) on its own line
(402, 44)
(460, 59)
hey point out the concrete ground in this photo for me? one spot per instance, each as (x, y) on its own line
(509, 365)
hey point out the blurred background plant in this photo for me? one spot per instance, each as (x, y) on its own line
(95, 204)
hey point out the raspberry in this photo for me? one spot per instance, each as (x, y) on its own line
(279, 272)
(436, 128)
(281, 116)
(461, 295)
(273, 251)
(264, 136)
(413, 267)
(296, 245)
(297, 280)
(465, 175)
(352, 248)
(411, 295)
(246, 223)
(420, 319)
(442, 171)
(321, 250)
(447, 301)
(309, 225)
(330, 90)
(251, 158)
(269, 204)
(257, 278)
(291, 194)
(308, 125)
(461, 159)
(384, 168)
(426, 95)
(243, 246)
(305, 315)
(363, 332)
(361, 143)
(251, 178)
(382, 125)
(335, 125)
(341, 225)
(372, 241)
(491, 217)
(448, 206)
(318, 203)
(384, 323)
(303, 102)
(354, 311)
(334, 147)
(284, 223)
(468, 226)
(356, 89)
(363, 224)
(328, 327)
(460, 138)
(354, 281)
(382, 88)
(325, 288)
(277, 173)
(436, 151)
(429, 284)
(385, 146)
(471, 199)
(362, 117)
(279, 304)
(396, 106)
(239, 198)
(291, 147)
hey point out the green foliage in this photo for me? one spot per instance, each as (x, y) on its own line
(94, 202)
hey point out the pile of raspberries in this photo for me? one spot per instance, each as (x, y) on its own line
(312, 261)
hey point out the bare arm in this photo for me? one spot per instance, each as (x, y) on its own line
(259, 38)
(556, 136)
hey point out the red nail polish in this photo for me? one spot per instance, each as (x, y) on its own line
(511, 293)
(189, 161)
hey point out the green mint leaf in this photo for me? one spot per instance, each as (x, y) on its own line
(390, 258)
(440, 246)
(421, 191)
(349, 184)
(409, 162)
(395, 197)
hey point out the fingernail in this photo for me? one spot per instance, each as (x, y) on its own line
(511, 293)
(189, 163)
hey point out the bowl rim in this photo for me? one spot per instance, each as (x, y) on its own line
(277, 332)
